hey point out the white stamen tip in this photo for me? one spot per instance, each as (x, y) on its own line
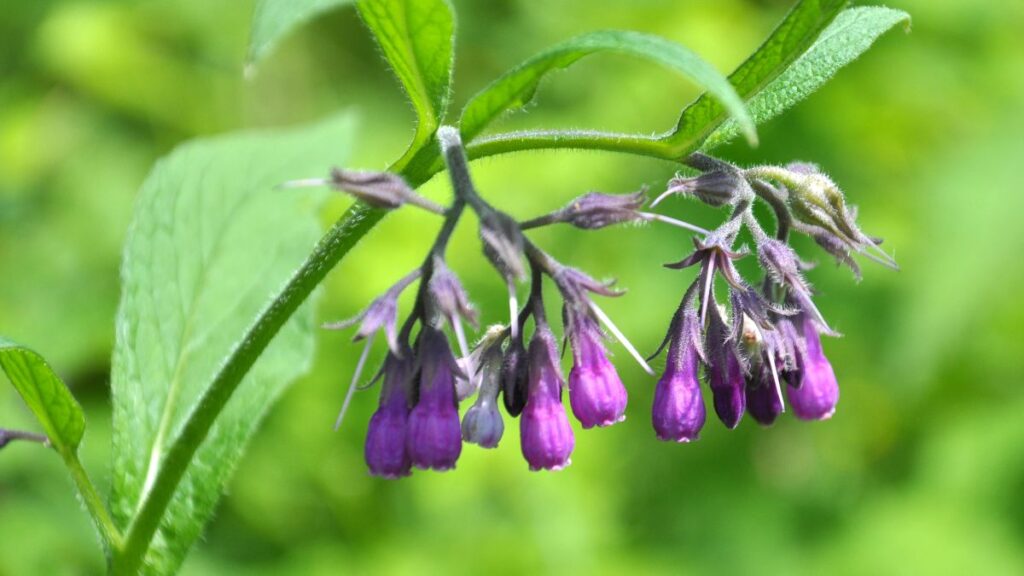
(621, 337)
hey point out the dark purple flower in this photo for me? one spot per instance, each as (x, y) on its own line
(817, 393)
(435, 437)
(724, 371)
(678, 413)
(515, 376)
(545, 435)
(596, 393)
(764, 402)
(386, 453)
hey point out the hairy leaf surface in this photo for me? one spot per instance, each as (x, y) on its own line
(211, 243)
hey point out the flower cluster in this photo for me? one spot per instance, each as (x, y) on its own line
(764, 337)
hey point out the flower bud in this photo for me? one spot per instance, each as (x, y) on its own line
(378, 189)
(545, 435)
(385, 452)
(596, 393)
(515, 377)
(597, 210)
(818, 391)
(763, 401)
(724, 371)
(678, 413)
(435, 437)
(447, 293)
(482, 423)
(503, 244)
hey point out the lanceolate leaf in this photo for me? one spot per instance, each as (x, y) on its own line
(417, 38)
(46, 395)
(211, 243)
(273, 19)
(790, 39)
(516, 88)
(849, 36)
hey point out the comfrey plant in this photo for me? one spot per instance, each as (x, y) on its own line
(221, 258)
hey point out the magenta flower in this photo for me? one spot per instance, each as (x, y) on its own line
(596, 393)
(817, 391)
(545, 435)
(679, 413)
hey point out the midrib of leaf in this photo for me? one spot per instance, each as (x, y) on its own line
(185, 347)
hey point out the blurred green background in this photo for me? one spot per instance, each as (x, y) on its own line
(921, 471)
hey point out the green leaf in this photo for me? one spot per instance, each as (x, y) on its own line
(849, 36)
(791, 38)
(46, 395)
(417, 38)
(211, 244)
(273, 19)
(516, 88)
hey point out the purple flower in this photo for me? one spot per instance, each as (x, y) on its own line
(386, 453)
(381, 314)
(724, 371)
(482, 424)
(435, 438)
(678, 413)
(515, 377)
(764, 403)
(596, 393)
(545, 435)
(817, 392)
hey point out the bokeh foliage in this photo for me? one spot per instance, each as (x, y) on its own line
(919, 472)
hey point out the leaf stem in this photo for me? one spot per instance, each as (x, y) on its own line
(109, 534)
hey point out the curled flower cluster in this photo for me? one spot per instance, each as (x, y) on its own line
(763, 339)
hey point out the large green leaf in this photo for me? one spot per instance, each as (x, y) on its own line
(417, 38)
(273, 19)
(212, 242)
(516, 88)
(791, 38)
(46, 395)
(849, 36)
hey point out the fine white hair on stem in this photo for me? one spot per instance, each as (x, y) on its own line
(620, 336)
(674, 222)
(513, 310)
(304, 183)
(352, 387)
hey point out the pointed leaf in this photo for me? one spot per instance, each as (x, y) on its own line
(791, 38)
(211, 243)
(46, 395)
(273, 19)
(846, 38)
(417, 38)
(516, 88)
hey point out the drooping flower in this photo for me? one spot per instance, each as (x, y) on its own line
(482, 424)
(724, 370)
(387, 455)
(817, 392)
(596, 393)
(515, 377)
(545, 435)
(435, 438)
(678, 413)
